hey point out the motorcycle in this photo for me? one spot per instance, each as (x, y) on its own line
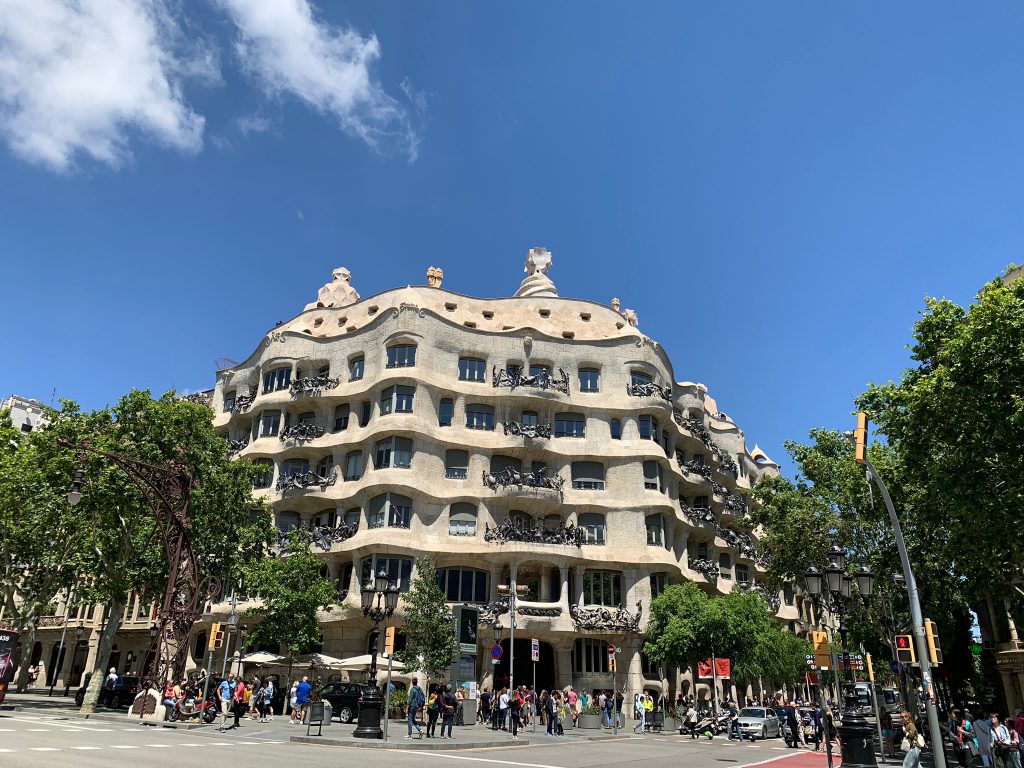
(710, 726)
(188, 708)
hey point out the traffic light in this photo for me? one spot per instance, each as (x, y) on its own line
(822, 650)
(218, 638)
(860, 438)
(214, 631)
(905, 649)
(389, 641)
(934, 649)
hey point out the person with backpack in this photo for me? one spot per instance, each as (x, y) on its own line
(266, 700)
(448, 704)
(416, 701)
(433, 710)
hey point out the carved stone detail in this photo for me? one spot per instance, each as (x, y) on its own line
(567, 535)
(513, 377)
(337, 293)
(509, 477)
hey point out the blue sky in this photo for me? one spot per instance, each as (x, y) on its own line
(773, 186)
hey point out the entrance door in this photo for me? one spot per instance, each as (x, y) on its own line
(56, 663)
(524, 666)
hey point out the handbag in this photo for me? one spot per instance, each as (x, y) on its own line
(905, 744)
(972, 747)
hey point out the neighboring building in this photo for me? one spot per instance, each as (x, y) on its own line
(25, 414)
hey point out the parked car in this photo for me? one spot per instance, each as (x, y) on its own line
(125, 690)
(344, 698)
(759, 723)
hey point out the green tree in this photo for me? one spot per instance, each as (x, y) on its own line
(292, 594)
(429, 628)
(121, 549)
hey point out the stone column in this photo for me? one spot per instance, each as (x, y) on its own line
(578, 597)
(1014, 638)
(563, 597)
(563, 665)
(545, 584)
(354, 587)
(495, 581)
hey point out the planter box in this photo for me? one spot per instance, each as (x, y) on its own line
(589, 721)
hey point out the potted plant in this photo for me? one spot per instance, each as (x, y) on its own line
(590, 717)
(397, 704)
(671, 719)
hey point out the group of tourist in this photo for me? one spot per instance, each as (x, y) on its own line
(995, 742)
(442, 703)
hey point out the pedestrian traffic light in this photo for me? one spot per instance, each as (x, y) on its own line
(905, 649)
(389, 641)
(934, 649)
(214, 629)
(860, 438)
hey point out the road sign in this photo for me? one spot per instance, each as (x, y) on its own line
(895, 667)
(535, 649)
(611, 649)
(496, 651)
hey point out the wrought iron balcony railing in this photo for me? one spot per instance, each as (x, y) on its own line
(649, 389)
(705, 566)
(242, 403)
(512, 377)
(234, 446)
(699, 514)
(567, 535)
(200, 398)
(512, 478)
(456, 473)
(697, 468)
(306, 480)
(736, 504)
(771, 598)
(321, 536)
(312, 385)
(601, 619)
(536, 431)
(301, 432)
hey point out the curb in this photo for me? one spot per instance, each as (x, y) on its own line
(419, 745)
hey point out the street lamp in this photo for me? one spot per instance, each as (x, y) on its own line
(855, 732)
(379, 598)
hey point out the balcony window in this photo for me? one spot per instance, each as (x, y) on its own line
(456, 464)
(570, 425)
(472, 369)
(229, 401)
(530, 419)
(353, 465)
(352, 516)
(266, 474)
(725, 566)
(402, 356)
(588, 475)
(279, 378)
(540, 370)
(463, 585)
(659, 583)
(521, 520)
(293, 467)
(445, 412)
(306, 418)
(462, 519)
(500, 462)
(390, 509)
(396, 399)
(655, 530)
(287, 521)
(639, 377)
(398, 569)
(364, 413)
(593, 526)
(702, 551)
(589, 379)
(616, 429)
(701, 502)
(341, 414)
(653, 478)
(325, 466)
(324, 519)
(393, 452)
(356, 368)
(590, 657)
(480, 416)
(742, 573)
(602, 588)
(270, 424)
(648, 428)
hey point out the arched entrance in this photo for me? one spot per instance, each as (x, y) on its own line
(524, 666)
(56, 664)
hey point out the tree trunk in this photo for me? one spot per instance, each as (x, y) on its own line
(28, 641)
(99, 670)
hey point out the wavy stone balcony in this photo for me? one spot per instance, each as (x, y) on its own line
(513, 378)
(301, 432)
(512, 478)
(305, 481)
(312, 386)
(565, 535)
(535, 431)
(649, 389)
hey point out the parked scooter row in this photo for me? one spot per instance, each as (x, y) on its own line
(710, 725)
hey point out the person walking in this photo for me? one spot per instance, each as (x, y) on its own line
(448, 704)
(1002, 744)
(548, 707)
(109, 683)
(433, 711)
(503, 704)
(255, 698)
(793, 741)
(515, 711)
(983, 735)
(266, 700)
(734, 722)
(691, 720)
(912, 742)
(416, 701)
(303, 691)
(225, 694)
(238, 701)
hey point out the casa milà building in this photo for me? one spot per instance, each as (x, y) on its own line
(536, 438)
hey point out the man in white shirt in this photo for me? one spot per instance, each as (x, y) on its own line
(503, 702)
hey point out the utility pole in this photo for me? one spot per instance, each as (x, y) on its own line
(513, 591)
(859, 439)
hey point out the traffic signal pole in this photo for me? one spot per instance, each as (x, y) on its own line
(923, 659)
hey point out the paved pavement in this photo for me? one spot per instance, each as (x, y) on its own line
(43, 735)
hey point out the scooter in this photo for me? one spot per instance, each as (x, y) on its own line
(188, 708)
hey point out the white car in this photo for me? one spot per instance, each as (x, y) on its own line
(759, 723)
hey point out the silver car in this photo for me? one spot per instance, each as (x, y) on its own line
(759, 723)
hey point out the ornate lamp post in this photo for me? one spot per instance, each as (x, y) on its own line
(856, 734)
(379, 600)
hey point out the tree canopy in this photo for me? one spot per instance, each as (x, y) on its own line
(430, 640)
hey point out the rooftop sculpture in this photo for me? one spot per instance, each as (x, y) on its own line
(337, 293)
(537, 283)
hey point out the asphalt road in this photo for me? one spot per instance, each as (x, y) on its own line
(48, 738)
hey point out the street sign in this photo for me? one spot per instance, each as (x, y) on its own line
(895, 667)
(496, 651)
(535, 649)
(611, 649)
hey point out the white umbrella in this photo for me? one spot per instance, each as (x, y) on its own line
(363, 662)
(320, 660)
(261, 657)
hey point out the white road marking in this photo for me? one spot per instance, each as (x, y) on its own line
(479, 759)
(189, 745)
(762, 762)
(6, 750)
(122, 746)
(158, 745)
(38, 730)
(85, 747)
(44, 749)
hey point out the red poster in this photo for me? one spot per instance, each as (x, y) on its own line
(723, 668)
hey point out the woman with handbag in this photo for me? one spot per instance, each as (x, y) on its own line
(912, 743)
(1001, 744)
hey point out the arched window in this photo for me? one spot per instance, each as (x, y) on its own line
(356, 367)
(552, 522)
(480, 416)
(590, 656)
(397, 569)
(393, 452)
(742, 573)
(353, 465)
(456, 464)
(397, 400)
(199, 646)
(287, 521)
(341, 414)
(325, 518)
(593, 526)
(570, 425)
(401, 356)
(462, 519)
(353, 516)
(616, 429)
(472, 369)
(653, 477)
(588, 475)
(463, 585)
(266, 474)
(655, 530)
(639, 377)
(648, 426)
(279, 378)
(390, 509)
(659, 583)
(445, 412)
(269, 424)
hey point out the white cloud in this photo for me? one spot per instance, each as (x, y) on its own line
(86, 77)
(289, 51)
(252, 124)
(300, 215)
